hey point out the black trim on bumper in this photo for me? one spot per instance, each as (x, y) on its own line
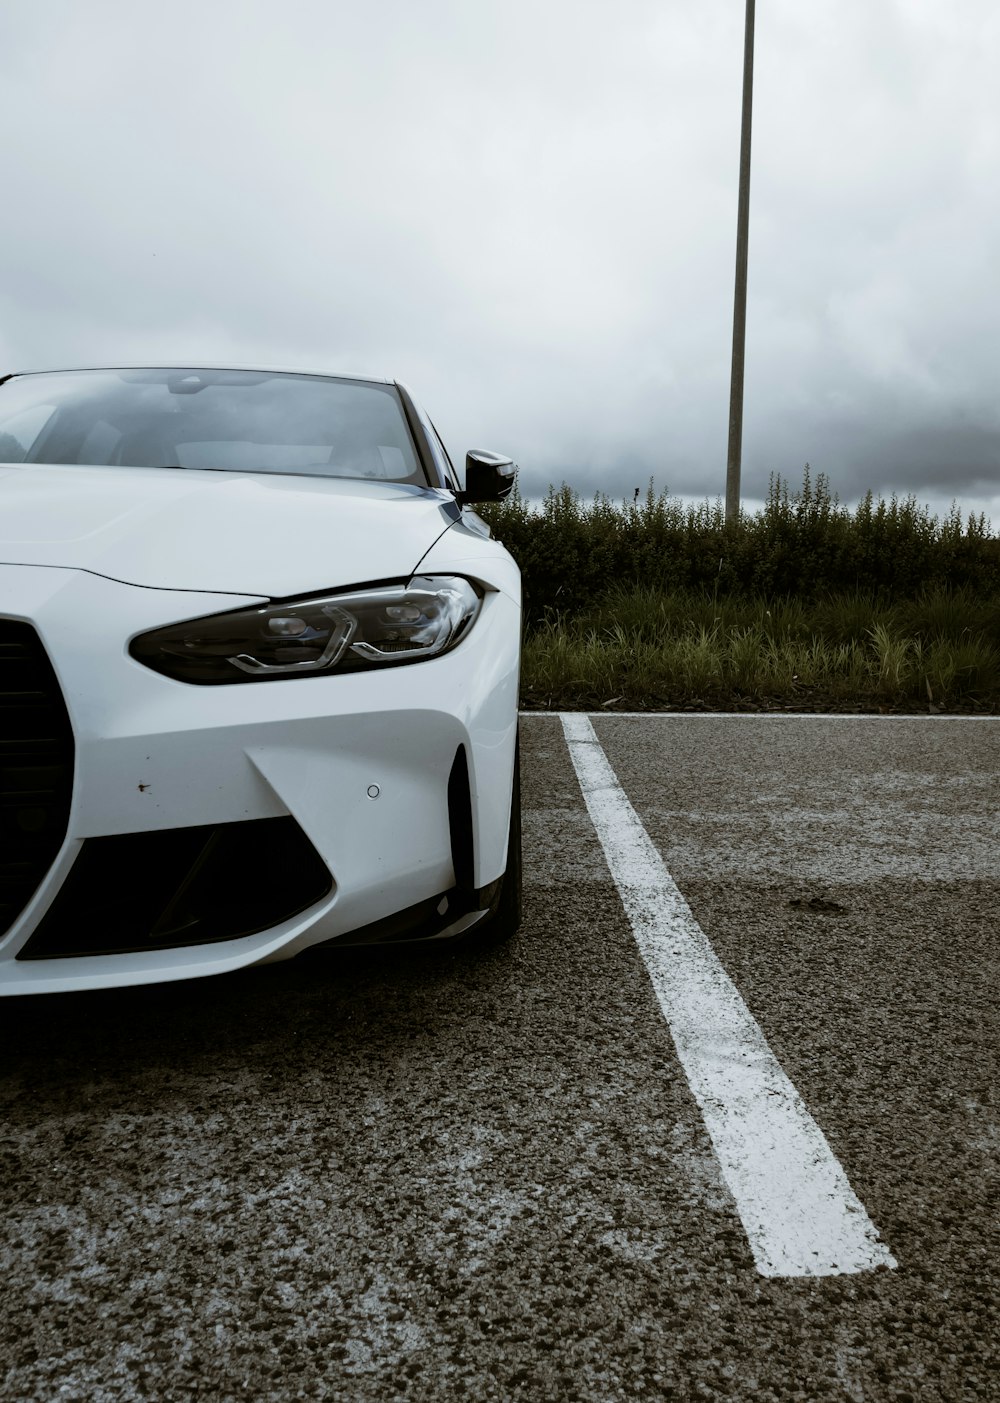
(423, 921)
(36, 767)
(181, 886)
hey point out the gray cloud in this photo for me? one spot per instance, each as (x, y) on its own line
(528, 213)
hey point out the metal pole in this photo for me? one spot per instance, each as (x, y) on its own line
(734, 459)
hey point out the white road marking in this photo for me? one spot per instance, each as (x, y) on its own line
(773, 716)
(797, 1207)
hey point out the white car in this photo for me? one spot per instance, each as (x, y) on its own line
(258, 675)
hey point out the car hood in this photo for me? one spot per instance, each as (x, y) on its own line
(240, 533)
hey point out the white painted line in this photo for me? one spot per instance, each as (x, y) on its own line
(797, 1207)
(767, 716)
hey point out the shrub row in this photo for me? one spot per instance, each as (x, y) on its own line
(802, 544)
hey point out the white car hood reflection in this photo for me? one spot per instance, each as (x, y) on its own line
(241, 533)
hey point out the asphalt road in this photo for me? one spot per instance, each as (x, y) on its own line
(455, 1174)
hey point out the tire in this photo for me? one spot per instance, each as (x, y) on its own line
(505, 921)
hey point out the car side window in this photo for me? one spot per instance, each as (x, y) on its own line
(450, 473)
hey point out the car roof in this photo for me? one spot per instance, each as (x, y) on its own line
(202, 365)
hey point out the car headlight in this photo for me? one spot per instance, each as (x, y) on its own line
(330, 633)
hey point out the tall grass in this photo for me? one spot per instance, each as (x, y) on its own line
(646, 648)
(803, 545)
(806, 603)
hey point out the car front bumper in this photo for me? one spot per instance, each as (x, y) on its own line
(361, 763)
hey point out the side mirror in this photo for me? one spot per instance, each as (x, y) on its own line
(489, 477)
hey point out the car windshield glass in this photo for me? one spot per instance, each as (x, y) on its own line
(226, 420)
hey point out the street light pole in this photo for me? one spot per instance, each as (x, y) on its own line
(735, 455)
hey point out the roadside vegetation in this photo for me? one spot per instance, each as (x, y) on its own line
(806, 605)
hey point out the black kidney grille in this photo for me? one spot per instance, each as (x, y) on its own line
(36, 767)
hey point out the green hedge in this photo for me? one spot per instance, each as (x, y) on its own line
(802, 544)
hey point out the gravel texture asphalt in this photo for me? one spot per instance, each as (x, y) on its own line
(455, 1173)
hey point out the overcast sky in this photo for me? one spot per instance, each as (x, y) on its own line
(527, 210)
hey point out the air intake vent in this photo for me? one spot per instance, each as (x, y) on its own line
(181, 886)
(36, 767)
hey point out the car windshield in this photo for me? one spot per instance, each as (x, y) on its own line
(224, 420)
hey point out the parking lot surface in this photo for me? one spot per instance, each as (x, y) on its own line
(455, 1173)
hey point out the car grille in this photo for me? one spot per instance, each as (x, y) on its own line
(36, 767)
